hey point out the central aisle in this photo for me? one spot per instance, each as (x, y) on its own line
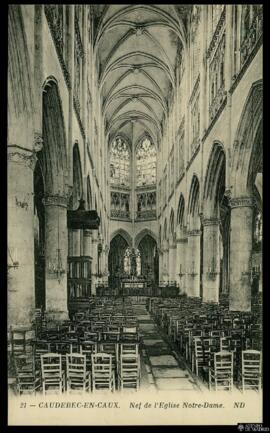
(165, 370)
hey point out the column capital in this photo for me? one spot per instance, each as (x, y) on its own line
(38, 141)
(210, 222)
(22, 156)
(181, 240)
(55, 200)
(195, 232)
(242, 202)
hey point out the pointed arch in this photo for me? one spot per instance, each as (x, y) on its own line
(180, 211)
(193, 203)
(247, 150)
(172, 225)
(214, 180)
(89, 194)
(142, 234)
(77, 193)
(53, 156)
(124, 235)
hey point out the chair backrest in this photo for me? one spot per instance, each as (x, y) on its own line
(129, 349)
(88, 347)
(251, 362)
(223, 362)
(129, 364)
(129, 329)
(225, 344)
(101, 363)
(51, 365)
(76, 364)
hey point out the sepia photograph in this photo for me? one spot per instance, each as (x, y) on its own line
(135, 212)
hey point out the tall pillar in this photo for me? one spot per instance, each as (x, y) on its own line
(172, 270)
(211, 260)
(241, 253)
(56, 237)
(87, 234)
(180, 265)
(21, 281)
(161, 265)
(193, 263)
(94, 263)
(76, 242)
(165, 264)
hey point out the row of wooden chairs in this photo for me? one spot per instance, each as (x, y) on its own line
(75, 376)
(220, 370)
(200, 331)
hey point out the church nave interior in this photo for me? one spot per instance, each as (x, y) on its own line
(134, 198)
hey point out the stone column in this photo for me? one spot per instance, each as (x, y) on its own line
(161, 265)
(240, 253)
(172, 271)
(87, 234)
(193, 263)
(21, 281)
(76, 242)
(211, 260)
(94, 263)
(165, 264)
(56, 237)
(181, 262)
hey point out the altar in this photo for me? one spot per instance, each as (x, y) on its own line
(133, 286)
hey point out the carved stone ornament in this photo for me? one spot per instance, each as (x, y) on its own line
(210, 222)
(242, 202)
(182, 240)
(55, 200)
(38, 142)
(22, 156)
(195, 232)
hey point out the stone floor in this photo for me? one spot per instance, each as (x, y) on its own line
(162, 369)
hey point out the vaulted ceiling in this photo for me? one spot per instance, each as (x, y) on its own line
(137, 48)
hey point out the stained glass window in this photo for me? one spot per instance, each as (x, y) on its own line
(120, 163)
(146, 163)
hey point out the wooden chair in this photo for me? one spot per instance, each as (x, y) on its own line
(112, 348)
(77, 376)
(129, 372)
(88, 348)
(102, 372)
(251, 371)
(52, 373)
(197, 358)
(129, 349)
(27, 377)
(41, 347)
(221, 371)
(18, 342)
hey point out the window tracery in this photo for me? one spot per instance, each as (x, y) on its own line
(146, 163)
(251, 29)
(120, 163)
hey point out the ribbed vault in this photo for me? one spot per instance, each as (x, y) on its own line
(136, 48)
